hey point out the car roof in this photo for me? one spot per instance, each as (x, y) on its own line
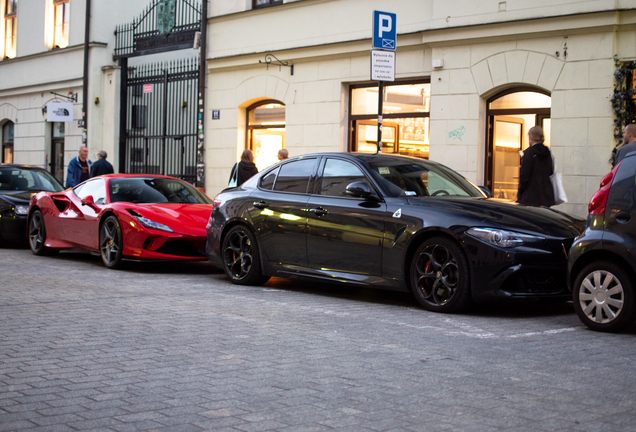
(21, 166)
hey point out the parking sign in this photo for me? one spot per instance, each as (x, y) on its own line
(384, 30)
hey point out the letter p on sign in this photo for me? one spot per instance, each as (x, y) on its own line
(384, 30)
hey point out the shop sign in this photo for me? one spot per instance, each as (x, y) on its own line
(59, 112)
(382, 65)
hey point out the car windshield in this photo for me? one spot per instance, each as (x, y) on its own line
(419, 178)
(154, 190)
(22, 179)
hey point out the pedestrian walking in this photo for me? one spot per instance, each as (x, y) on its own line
(535, 187)
(246, 167)
(282, 154)
(79, 168)
(629, 143)
(101, 165)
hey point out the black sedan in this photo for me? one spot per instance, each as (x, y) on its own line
(389, 222)
(17, 184)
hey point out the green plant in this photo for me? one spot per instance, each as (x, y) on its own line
(623, 102)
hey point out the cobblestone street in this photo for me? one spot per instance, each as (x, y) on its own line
(177, 347)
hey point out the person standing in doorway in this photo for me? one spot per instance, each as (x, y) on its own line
(282, 154)
(535, 187)
(79, 168)
(246, 167)
(629, 143)
(101, 165)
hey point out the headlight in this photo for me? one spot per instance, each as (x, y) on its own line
(502, 238)
(21, 209)
(152, 224)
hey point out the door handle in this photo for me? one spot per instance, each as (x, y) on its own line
(260, 205)
(623, 216)
(319, 211)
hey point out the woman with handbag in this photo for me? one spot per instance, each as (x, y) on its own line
(535, 187)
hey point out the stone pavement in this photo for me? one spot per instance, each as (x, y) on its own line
(176, 347)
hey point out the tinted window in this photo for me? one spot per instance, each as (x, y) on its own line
(23, 179)
(337, 175)
(154, 190)
(95, 188)
(294, 176)
(411, 177)
(268, 180)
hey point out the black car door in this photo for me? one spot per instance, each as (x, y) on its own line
(278, 209)
(344, 233)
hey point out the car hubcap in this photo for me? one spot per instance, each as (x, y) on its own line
(437, 274)
(238, 255)
(35, 233)
(109, 246)
(601, 297)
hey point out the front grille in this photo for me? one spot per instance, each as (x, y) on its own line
(536, 282)
(181, 248)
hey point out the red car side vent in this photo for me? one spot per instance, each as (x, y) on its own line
(599, 199)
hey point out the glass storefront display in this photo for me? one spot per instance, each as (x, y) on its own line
(405, 113)
(510, 116)
(266, 132)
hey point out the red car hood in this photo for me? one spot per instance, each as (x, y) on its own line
(187, 219)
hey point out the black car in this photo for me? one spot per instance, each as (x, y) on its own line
(392, 222)
(17, 184)
(602, 263)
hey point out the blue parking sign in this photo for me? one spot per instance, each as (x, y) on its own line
(384, 30)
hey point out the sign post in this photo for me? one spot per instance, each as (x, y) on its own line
(383, 58)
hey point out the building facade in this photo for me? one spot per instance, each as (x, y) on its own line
(471, 79)
(42, 62)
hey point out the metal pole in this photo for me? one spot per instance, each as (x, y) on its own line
(165, 121)
(201, 105)
(380, 100)
(123, 113)
(87, 32)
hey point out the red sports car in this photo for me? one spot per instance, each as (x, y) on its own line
(122, 216)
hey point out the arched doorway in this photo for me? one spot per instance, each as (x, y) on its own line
(510, 114)
(266, 131)
(7, 142)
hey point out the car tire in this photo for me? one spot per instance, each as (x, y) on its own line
(111, 243)
(241, 259)
(604, 297)
(37, 235)
(440, 276)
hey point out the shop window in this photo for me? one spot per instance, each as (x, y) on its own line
(7, 142)
(264, 3)
(266, 132)
(57, 151)
(510, 115)
(405, 115)
(61, 23)
(10, 19)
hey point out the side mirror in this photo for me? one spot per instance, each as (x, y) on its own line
(359, 189)
(89, 202)
(485, 190)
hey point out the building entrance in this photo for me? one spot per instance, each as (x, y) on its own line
(510, 115)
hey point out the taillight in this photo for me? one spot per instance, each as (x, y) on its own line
(599, 200)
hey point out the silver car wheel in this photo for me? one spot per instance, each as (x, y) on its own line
(601, 296)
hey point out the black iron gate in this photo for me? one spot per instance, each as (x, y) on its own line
(161, 124)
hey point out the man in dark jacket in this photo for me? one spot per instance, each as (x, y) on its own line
(535, 187)
(101, 166)
(79, 168)
(629, 142)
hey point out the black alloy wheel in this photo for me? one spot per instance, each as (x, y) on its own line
(241, 260)
(110, 243)
(440, 276)
(37, 235)
(604, 297)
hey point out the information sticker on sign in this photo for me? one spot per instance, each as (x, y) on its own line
(382, 65)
